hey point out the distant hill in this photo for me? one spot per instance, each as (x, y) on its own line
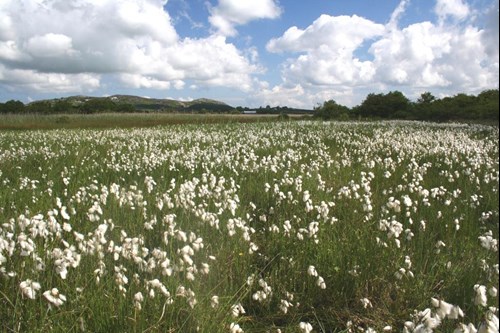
(128, 104)
(142, 103)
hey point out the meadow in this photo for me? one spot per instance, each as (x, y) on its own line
(296, 226)
(122, 120)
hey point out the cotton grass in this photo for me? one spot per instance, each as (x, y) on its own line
(282, 227)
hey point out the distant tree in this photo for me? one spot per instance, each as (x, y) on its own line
(125, 108)
(426, 98)
(62, 106)
(423, 107)
(391, 105)
(487, 103)
(40, 107)
(394, 105)
(332, 110)
(96, 105)
(465, 107)
(13, 106)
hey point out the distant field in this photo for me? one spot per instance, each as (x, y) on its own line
(296, 226)
(126, 120)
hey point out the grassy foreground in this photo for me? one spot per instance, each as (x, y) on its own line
(268, 227)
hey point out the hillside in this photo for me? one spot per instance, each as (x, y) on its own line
(159, 104)
(137, 103)
(80, 104)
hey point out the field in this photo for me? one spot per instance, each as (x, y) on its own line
(123, 120)
(265, 227)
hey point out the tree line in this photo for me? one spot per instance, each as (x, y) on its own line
(391, 105)
(395, 105)
(104, 104)
(94, 105)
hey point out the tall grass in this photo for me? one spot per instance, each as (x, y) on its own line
(120, 120)
(348, 227)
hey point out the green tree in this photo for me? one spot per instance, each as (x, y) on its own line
(391, 105)
(423, 106)
(125, 108)
(96, 105)
(426, 98)
(13, 106)
(40, 107)
(62, 106)
(332, 110)
(487, 103)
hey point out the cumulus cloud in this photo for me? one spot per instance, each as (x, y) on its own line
(73, 44)
(491, 31)
(83, 45)
(25, 79)
(339, 33)
(328, 47)
(300, 97)
(230, 13)
(397, 13)
(49, 45)
(434, 56)
(409, 55)
(448, 55)
(452, 8)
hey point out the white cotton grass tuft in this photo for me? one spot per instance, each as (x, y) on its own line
(235, 328)
(214, 301)
(237, 310)
(480, 298)
(29, 288)
(54, 297)
(321, 282)
(305, 327)
(446, 310)
(311, 270)
(366, 303)
(138, 299)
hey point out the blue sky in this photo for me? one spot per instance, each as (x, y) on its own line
(247, 52)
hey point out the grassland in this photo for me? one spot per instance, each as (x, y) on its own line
(122, 120)
(261, 227)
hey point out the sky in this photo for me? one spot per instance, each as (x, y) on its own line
(247, 52)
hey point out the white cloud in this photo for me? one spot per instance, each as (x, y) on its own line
(25, 79)
(299, 97)
(491, 31)
(405, 56)
(328, 46)
(132, 40)
(448, 55)
(425, 55)
(140, 81)
(397, 13)
(49, 45)
(230, 13)
(339, 33)
(83, 45)
(454, 8)
(280, 95)
(9, 51)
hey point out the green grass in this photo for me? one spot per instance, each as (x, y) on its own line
(235, 185)
(121, 120)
